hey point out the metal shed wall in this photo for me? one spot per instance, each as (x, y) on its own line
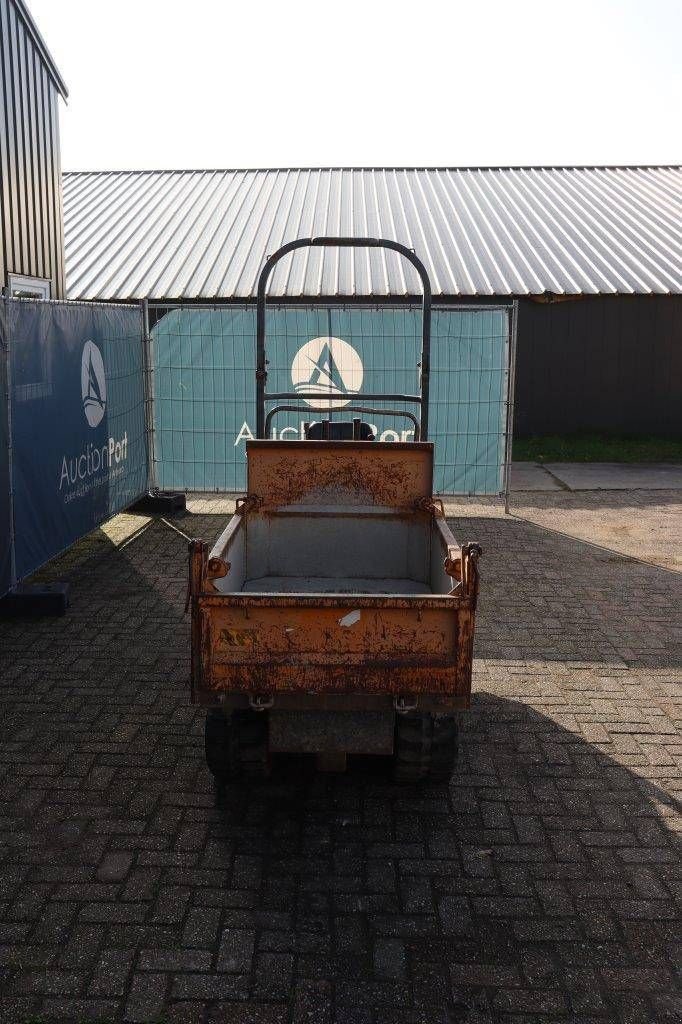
(31, 225)
(606, 363)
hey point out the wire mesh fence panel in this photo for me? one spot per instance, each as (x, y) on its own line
(204, 365)
(468, 400)
(79, 445)
(204, 371)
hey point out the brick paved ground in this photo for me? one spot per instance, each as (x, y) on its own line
(541, 886)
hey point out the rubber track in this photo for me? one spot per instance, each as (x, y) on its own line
(425, 748)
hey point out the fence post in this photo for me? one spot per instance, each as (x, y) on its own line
(10, 457)
(148, 371)
(511, 386)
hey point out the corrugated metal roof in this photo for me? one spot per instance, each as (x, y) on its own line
(480, 231)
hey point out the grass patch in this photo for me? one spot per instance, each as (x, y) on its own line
(597, 448)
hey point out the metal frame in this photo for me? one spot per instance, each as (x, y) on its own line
(327, 241)
(349, 408)
(148, 370)
(312, 302)
(87, 303)
(511, 388)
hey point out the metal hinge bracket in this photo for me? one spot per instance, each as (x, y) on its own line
(247, 503)
(432, 505)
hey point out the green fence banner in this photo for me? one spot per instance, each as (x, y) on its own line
(204, 383)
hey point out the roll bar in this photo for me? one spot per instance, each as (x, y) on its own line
(422, 399)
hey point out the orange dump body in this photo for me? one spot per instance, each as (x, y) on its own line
(337, 579)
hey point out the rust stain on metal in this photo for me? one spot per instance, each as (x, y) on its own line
(246, 503)
(230, 638)
(247, 600)
(471, 553)
(318, 634)
(314, 679)
(217, 568)
(434, 506)
(334, 643)
(313, 473)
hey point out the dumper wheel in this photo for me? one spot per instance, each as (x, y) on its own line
(236, 744)
(425, 748)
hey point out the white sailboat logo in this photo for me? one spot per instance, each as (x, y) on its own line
(330, 366)
(93, 384)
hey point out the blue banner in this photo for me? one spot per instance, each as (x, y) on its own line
(205, 386)
(78, 421)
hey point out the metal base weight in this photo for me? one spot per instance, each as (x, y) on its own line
(35, 599)
(161, 503)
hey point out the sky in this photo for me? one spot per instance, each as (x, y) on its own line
(289, 83)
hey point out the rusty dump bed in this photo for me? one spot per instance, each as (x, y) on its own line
(337, 575)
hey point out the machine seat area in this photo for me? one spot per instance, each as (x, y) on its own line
(339, 430)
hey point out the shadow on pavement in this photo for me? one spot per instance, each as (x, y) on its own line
(541, 882)
(539, 886)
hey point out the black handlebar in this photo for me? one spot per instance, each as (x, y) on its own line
(328, 241)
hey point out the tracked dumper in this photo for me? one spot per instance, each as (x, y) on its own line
(335, 613)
